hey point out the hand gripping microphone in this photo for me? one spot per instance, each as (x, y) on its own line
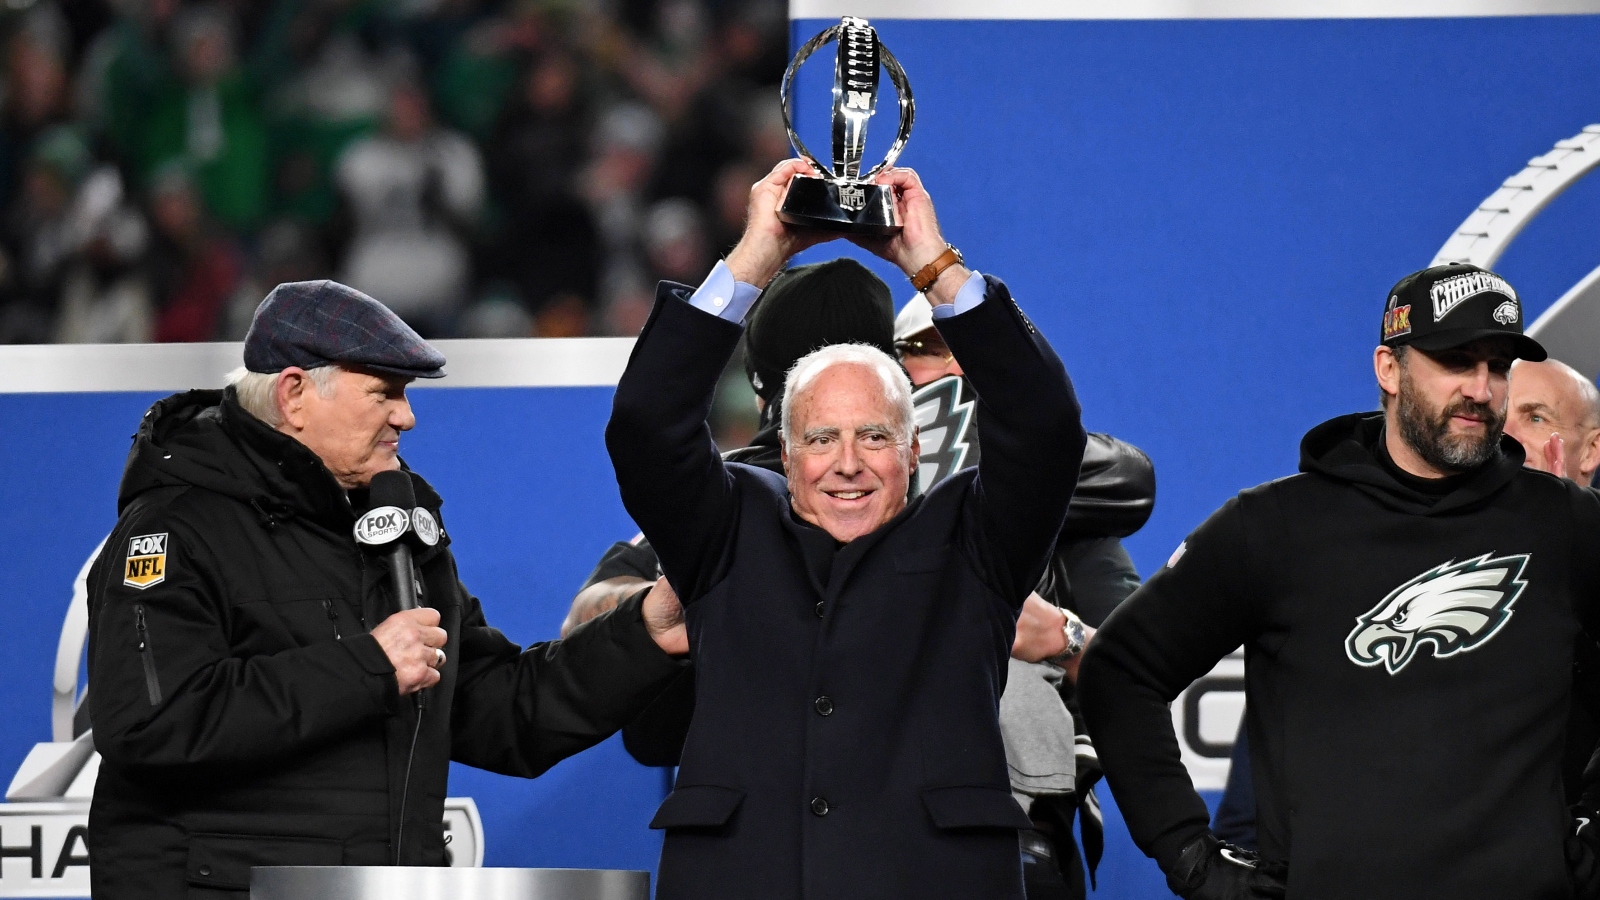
(391, 524)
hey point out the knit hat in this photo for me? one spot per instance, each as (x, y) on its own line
(810, 307)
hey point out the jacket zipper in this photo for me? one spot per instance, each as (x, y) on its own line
(333, 617)
(152, 682)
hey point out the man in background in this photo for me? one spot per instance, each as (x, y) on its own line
(1554, 413)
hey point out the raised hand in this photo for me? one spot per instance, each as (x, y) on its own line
(919, 240)
(767, 243)
(1552, 457)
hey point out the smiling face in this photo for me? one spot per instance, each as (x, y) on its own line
(1448, 407)
(847, 455)
(354, 430)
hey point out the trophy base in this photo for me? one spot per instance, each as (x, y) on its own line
(855, 207)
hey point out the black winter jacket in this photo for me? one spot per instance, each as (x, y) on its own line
(845, 741)
(243, 712)
(1408, 665)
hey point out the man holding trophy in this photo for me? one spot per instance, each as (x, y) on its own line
(850, 646)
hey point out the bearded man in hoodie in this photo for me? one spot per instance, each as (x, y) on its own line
(260, 694)
(1408, 606)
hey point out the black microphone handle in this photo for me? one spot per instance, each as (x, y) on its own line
(405, 579)
(405, 594)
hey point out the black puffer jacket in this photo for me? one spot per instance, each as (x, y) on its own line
(245, 714)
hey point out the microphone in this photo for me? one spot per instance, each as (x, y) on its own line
(386, 525)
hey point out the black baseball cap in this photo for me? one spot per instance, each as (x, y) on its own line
(1445, 306)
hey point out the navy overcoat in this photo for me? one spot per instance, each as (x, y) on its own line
(845, 740)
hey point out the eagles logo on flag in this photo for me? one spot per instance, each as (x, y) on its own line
(1453, 608)
(945, 428)
(147, 561)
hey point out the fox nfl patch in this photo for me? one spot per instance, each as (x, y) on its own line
(147, 561)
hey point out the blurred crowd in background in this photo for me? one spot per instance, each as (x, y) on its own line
(487, 168)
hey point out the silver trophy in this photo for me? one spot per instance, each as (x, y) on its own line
(845, 198)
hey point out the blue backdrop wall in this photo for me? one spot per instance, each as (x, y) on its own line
(1203, 216)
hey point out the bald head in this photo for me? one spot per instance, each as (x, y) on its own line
(1552, 397)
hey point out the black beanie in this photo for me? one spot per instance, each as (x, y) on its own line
(810, 307)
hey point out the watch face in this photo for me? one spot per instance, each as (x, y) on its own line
(1075, 637)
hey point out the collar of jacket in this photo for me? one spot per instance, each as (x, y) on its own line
(1344, 449)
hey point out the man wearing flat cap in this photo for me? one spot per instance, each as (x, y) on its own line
(258, 693)
(1408, 605)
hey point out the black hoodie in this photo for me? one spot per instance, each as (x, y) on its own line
(243, 711)
(1408, 667)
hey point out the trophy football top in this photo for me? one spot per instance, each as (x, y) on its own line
(855, 98)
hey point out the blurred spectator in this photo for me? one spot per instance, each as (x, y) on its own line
(286, 251)
(196, 268)
(35, 90)
(498, 314)
(413, 193)
(675, 241)
(71, 251)
(547, 240)
(106, 294)
(331, 88)
(481, 68)
(123, 72)
(273, 140)
(210, 120)
(626, 141)
(626, 298)
(729, 198)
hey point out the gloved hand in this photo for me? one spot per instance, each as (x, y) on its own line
(1208, 869)
(1583, 854)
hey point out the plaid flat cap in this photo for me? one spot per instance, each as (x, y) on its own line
(316, 323)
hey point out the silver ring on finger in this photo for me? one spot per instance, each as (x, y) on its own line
(438, 658)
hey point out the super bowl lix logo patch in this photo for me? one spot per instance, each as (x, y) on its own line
(1452, 608)
(147, 561)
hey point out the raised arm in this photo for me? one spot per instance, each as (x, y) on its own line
(1033, 439)
(672, 480)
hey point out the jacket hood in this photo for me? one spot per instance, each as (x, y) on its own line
(205, 439)
(1345, 449)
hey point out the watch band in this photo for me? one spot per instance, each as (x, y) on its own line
(929, 273)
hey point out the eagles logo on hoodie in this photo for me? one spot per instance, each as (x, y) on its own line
(1454, 607)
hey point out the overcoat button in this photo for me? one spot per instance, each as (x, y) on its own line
(205, 870)
(820, 606)
(824, 706)
(819, 806)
